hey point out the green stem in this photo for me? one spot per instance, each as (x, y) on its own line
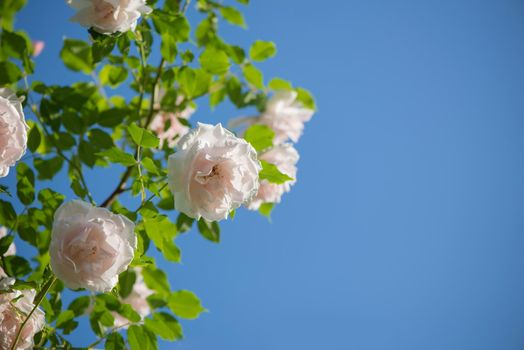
(150, 198)
(38, 299)
(98, 341)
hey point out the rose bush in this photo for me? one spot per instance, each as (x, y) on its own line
(114, 171)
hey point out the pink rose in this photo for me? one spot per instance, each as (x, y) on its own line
(212, 173)
(13, 130)
(90, 246)
(13, 308)
(137, 299)
(286, 116)
(168, 127)
(38, 47)
(285, 157)
(109, 16)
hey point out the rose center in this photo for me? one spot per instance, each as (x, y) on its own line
(214, 174)
(88, 245)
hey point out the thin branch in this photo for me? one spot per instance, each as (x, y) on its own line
(150, 198)
(98, 341)
(121, 185)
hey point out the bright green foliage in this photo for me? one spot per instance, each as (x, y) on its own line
(185, 304)
(271, 173)
(142, 137)
(262, 50)
(78, 130)
(259, 136)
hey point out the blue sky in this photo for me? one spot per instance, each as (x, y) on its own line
(406, 227)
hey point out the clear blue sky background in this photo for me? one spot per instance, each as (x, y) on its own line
(406, 228)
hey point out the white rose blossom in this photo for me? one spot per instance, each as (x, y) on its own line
(212, 173)
(13, 130)
(13, 310)
(286, 116)
(285, 158)
(109, 16)
(137, 299)
(90, 246)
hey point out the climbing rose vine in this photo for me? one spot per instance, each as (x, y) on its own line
(144, 70)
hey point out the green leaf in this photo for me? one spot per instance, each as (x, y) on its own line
(165, 326)
(126, 281)
(115, 342)
(9, 73)
(34, 138)
(140, 338)
(233, 16)
(306, 98)
(236, 53)
(194, 82)
(64, 317)
(80, 305)
(184, 222)
(87, 153)
(168, 48)
(100, 139)
(129, 313)
(185, 304)
(142, 137)
(16, 266)
(174, 25)
(47, 168)
(253, 75)
(209, 230)
(102, 47)
(77, 56)
(271, 173)
(262, 50)
(14, 44)
(265, 209)
(280, 84)
(113, 75)
(116, 155)
(161, 231)
(259, 136)
(156, 279)
(25, 186)
(150, 166)
(215, 61)
(7, 214)
(5, 243)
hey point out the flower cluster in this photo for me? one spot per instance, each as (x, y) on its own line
(286, 116)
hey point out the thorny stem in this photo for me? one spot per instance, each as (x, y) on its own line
(38, 299)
